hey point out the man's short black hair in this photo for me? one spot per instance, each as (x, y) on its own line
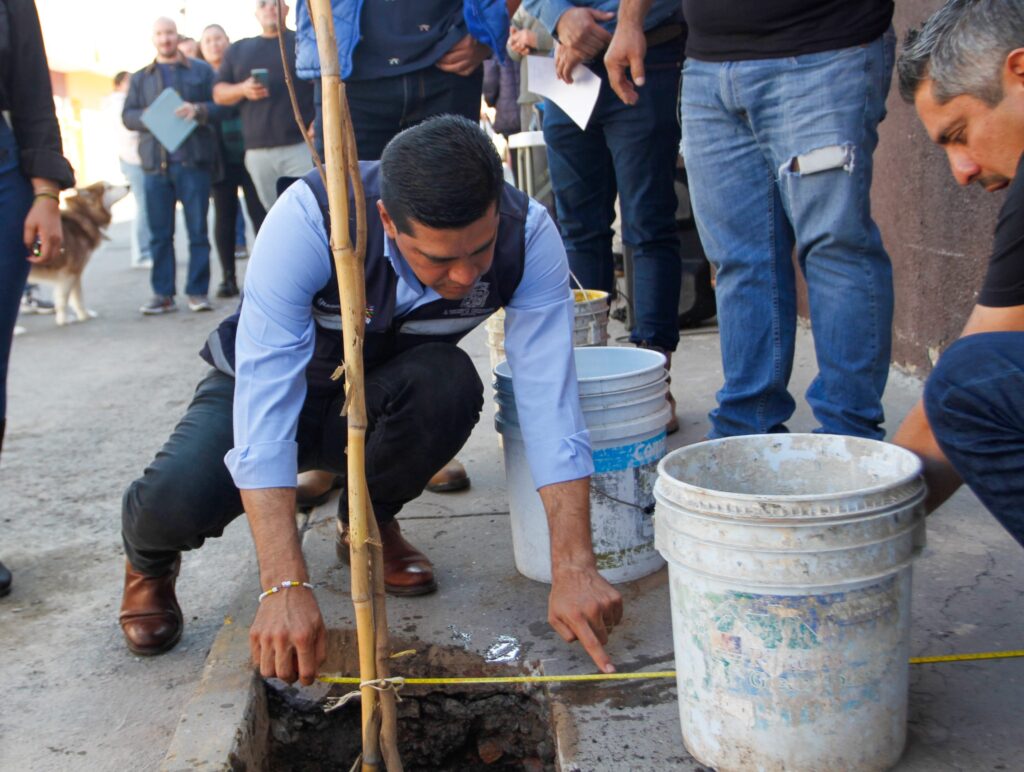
(119, 78)
(443, 173)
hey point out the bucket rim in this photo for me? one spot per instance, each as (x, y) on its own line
(656, 358)
(752, 498)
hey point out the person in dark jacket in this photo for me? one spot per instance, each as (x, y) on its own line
(183, 175)
(33, 171)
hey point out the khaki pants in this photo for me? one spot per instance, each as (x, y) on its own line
(267, 164)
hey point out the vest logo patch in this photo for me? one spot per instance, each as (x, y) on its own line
(477, 296)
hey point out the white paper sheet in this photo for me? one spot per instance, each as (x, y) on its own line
(576, 99)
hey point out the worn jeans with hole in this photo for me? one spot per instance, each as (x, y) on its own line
(762, 196)
(630, 151)
(191, 186)
(974, 400)
(422, 406)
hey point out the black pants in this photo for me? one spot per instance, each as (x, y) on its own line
(421, 405)
(383, 107)
(225, 212)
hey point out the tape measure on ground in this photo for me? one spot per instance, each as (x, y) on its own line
(548, 679)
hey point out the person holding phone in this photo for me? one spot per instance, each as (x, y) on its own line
(252, 77)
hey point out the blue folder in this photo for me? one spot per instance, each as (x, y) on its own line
(169, 130)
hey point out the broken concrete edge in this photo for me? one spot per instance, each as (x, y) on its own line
(224, 723)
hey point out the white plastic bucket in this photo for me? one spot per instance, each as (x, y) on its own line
(590, 324)
(627, 434)
(789, 572)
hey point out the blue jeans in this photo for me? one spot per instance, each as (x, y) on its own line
(630, 151)
(974, 400)
(760, 195)
(15, 201)
(382, 107)
(140, 233)
(191, 186)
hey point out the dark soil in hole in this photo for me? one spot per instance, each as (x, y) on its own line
(440, 728)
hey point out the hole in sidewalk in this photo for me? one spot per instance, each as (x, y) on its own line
(466, 728)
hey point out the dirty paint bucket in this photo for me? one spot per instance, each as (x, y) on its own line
(622, 395)
(789, 571)
(590, 324)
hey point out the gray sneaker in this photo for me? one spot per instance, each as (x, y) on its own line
(199, 303)
(160, 304)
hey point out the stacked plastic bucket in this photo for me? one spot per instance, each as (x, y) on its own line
(590, 327)
(622, 394)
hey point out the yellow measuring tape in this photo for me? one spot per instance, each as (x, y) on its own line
(547, 679)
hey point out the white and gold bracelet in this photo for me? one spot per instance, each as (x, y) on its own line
(284, 586)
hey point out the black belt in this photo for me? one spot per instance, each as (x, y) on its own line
(664, 33)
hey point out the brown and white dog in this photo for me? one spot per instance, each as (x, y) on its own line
(84, 214)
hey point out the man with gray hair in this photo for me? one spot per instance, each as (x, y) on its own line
(964, 73)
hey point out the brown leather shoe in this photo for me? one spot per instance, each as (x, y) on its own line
(150, 616)
(407, 571)
(673, 422)
(452, 477)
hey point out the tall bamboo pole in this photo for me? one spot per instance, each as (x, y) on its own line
(353, 308)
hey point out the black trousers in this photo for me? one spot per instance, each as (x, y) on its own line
(383, 107)
(421, 406)
(225, 211)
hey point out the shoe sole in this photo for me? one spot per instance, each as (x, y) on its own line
(449, 487)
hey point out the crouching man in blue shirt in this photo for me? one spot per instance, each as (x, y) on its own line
(448, 244)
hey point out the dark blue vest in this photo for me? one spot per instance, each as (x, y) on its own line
(441, 320)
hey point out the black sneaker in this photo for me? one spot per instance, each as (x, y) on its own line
(160, 304)
(199, 303)
(5, 580)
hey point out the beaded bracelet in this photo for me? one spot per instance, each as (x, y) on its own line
(284, 586)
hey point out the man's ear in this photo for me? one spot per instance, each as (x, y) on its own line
(385, 218)
(1014, 70)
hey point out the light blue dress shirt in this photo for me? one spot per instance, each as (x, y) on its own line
(550, 11)
(274, 343)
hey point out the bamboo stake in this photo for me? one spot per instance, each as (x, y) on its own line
(388, 706)
(353, 304)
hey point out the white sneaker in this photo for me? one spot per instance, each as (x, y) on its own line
(199, 303)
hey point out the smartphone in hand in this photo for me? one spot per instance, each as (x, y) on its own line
(261, 76)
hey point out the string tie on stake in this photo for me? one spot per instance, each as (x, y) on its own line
(392, 684)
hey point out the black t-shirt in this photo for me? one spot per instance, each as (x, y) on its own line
(731, 30)
(268, 122)
(1004, 282)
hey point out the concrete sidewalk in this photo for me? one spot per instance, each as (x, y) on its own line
(90, 404)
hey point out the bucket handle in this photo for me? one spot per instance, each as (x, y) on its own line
(648, 510)
(578, 282)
